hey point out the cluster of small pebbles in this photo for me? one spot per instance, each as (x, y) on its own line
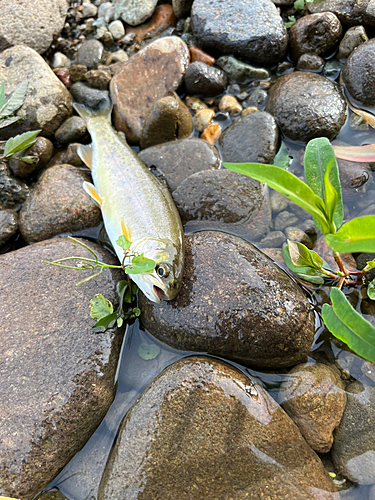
(193, 83)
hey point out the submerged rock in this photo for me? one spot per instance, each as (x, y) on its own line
(236, 303)
(57, 376)
(206, 431)
(8, 225)
(203, 80)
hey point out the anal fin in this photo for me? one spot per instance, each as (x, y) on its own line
(92, 192)
(125, 230)
(85, 153)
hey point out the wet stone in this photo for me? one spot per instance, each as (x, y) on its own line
(273, 239)
(88, 96)
(57, 376)
(60, 60)
(310, 62)
(297, 234)
(90, 53)
(315, 33)
(200, 56)
(249, 30)
(224, 200)
(47, 103)
(77, 72)
(354, 177)
(285, 219)
(162, 64)
(162, 20)
(257, 98)
(134, 12)
(88, 9)
(168, 119)
(278, 201)
(240, 72)
(98, 78)
(306, 106)
(73, 129)
(314, 398)
(221, 435)
(229, 104)
(203, 118)
(204, 80)
(8, 225)
(349, 13)
(226, 306)
(13, 192)
(358, 73)
(68, 156)
(58, 204)
(42, 149)
(354, 37)
(253, 138)
(181, 8)
(354, 444)
(179, 159)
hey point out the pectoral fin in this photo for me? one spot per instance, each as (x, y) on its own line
(92, 192)
(85, 153)
(125, 230)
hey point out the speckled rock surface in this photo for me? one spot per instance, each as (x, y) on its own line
(349, 13)
(8, 225)
(47, 103)
(315, 33)
(178, 159)
(227, 307)
(253, 31)
(251, 138)
(134, 12)
(314, 398)
(73, 129)
(354, 37)
(31, 22)
(163, 64)
(224, 200)
(57, 376)
(358, 73)
(241, 72)
(203, 80)
(205, 430)
(13, 191)
(90, 53)
(306, 106)
(58, 204)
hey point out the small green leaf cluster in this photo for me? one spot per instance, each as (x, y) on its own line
(321, 197)
(7, 108)
(300, 4)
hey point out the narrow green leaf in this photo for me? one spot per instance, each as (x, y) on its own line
(357, 235)
(28, 159)
(349, 326)
(319, 154)
(356, 153)
(100, 307)
(286, 184)
(123, 242)
(306, 273)
(15, 101)
(282, 159)
(5, 122)
(371, 290)
(2, 95)
(104, 323)
(148, 352)
(330, 196)
(20, 142)
(140, 264)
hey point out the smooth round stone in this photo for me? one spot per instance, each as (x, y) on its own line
(161, 24)
(354, 37)
(58, 204)
(203, 118)
(249, 30)
(358, 73)
(31, 23)
(306, 106)
(224, 200)
(60, 60)
(258, 98)
(117, 29)
(211, 133)
(98, 78)
(57, 376)
(229, 104)
(134, 12)
(8, 225)
(273, 239)
(88, 96)
(353, 176)
(90, 53)
(42, 149)
(204, 80)
(310, 62)
(88, 9)
(240, 72)
(77, 72)
(296, 234)
(73, 129)
(284, 219)
(47, 102)
(118, 56)
(314, 397)
(349, 13)
(204, 430)
(13, 192)
(178, 160)
(253, 138)
(315, 33)
(67, 156)
(226, 306)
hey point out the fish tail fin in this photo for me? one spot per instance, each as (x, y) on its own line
(103, 110)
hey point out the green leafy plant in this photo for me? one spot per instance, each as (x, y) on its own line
(289, 23)
(321, 197)
(8, 107)
(300, 4)
(102, 309)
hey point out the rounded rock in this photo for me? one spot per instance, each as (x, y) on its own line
(230, 104)
(306, 106)
(310, 62)
(98, 78)
(88, 96)
(73, 129)
(226, 306)
(8, 225)
(203, 118)
(134, 12)
(204, 80)
(42, 149)
(354, 37)
(241, 72)
(90, 53)
(349, 13)
(117, 29)
(358, 73)
(162, 20)
(13, 192)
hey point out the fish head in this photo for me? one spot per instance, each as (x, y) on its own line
(164, 282)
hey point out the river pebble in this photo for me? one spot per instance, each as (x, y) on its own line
(90, 53)
(253, 138)
(354, 37)
(42, 150)
(297, 234)
(241, 72)
(73, 129)
(34, 23)
(8, 225)
(221, 435)
(178, 160)
(306, 106)
(228, 103)
(205, 81)
(284, 219)
(224, 200)
(314, 398)
(252, 31)
(310, 62)
(163, 64)
(47, 103)
(58, 204)
(349, 13)
(181, 7)
(197, 55)
(203, 118)
(13, 192)
(234, 302)
(57, 376)
(88, 96)
(316, 33)
(162, 19)
(134, 12)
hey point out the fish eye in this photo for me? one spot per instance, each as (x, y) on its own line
(162, 270)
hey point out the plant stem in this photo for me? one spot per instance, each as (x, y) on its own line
(340, 263)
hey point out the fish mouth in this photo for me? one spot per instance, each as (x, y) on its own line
(160, 294)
